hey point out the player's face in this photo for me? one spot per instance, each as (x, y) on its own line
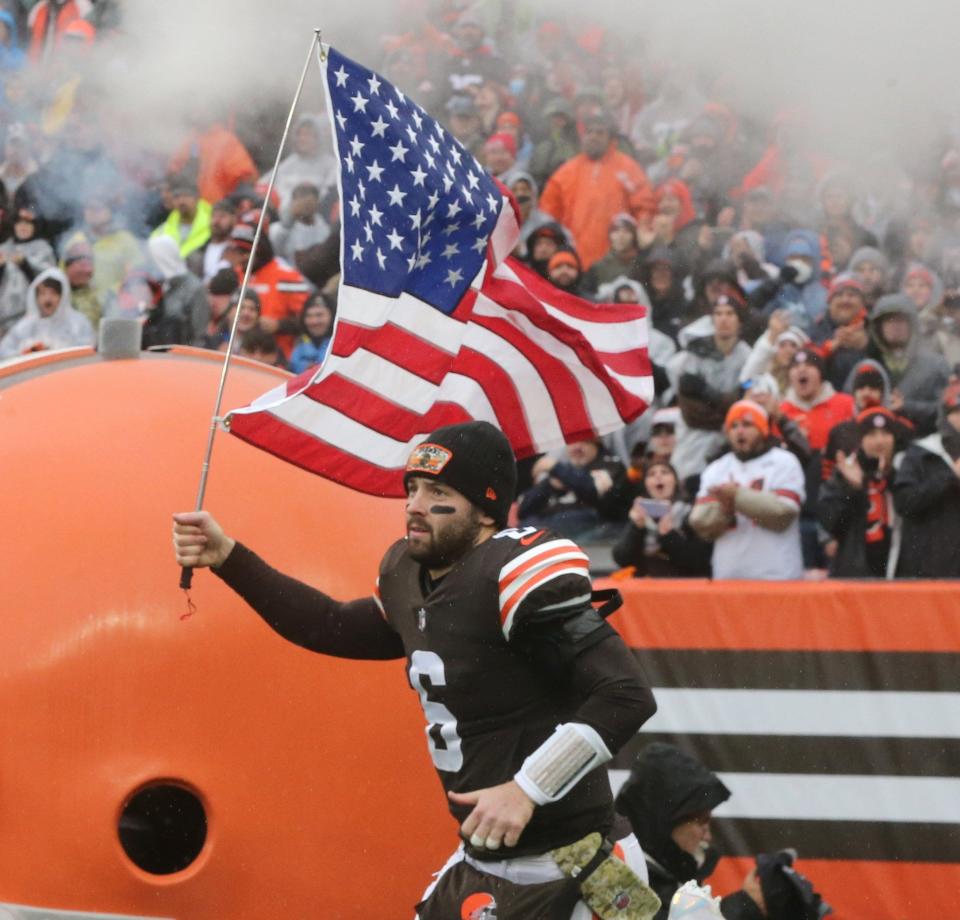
(442, 525)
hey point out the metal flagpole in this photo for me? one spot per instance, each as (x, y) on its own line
(186, 572)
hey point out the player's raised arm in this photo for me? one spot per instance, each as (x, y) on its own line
(301, 614)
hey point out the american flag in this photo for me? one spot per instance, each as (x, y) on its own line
(435, 324)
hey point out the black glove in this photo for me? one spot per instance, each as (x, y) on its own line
(692, 386)
(788, 274)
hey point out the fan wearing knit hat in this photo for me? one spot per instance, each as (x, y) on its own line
(749, 502)
(493, 623)
(855, 505)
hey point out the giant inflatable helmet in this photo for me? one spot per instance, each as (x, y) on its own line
(197, 767)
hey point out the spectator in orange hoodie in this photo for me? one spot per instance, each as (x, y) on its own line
(588, 191)
(281, 288)
(812, 401)
(222, 162)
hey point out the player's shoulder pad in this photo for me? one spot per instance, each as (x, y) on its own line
(540, 570)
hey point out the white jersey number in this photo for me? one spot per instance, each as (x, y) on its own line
(426, 672)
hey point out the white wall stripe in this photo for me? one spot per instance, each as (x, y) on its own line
(789, 796)
(850, 713)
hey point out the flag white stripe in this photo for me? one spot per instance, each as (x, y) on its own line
(615, 338)
(540, 413)
(372, 311)
(638, 386)
(850, 713)
(815, 797)
(345, 433)
(596, 397)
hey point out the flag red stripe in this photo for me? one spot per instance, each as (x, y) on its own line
(564, 389)
(629, 363)
(501, 390)
(573, 306)
(379, 413)
(510, 295)
(396, 345)
(316, 456)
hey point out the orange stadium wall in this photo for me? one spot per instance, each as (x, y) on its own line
(313, 773)
(832, 711)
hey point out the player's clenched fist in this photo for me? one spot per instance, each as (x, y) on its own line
(199, 541)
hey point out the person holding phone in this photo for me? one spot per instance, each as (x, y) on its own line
(657, 542)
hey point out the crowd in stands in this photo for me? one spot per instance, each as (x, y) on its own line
(804, 310)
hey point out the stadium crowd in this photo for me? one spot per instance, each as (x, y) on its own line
(804, 310)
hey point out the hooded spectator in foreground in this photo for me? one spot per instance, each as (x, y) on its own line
(926, 495)
(50, 320)
(669, 799)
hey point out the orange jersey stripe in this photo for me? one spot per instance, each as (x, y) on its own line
(536, 559)
(538, 580)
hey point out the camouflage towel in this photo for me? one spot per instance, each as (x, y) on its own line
(613, 891)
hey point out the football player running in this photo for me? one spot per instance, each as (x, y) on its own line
(526, 689)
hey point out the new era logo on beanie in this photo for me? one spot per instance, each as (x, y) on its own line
(476, 459)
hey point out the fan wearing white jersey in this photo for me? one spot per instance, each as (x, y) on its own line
(749, 502)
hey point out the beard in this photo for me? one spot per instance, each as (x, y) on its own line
(448, 544)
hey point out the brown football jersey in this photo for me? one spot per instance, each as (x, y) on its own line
(487, 704)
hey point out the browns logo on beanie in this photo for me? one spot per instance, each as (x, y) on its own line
(476, 459)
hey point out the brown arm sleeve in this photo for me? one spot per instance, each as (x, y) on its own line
(308, 617)
(618, 699)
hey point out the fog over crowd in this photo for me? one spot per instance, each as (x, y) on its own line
(778, 186)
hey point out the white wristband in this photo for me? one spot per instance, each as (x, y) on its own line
(554, 768)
